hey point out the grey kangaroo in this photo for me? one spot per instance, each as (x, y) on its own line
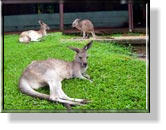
(51, 72)
(33, 35)
(85, 26)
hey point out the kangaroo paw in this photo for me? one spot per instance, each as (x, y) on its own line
(85, 101)
(68, 106)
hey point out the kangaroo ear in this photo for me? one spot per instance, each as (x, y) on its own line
(86, 47)
(40, 22)
(74, 49)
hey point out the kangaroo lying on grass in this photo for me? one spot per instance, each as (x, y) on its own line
(51, 72)
(86, 26)
(33, 35)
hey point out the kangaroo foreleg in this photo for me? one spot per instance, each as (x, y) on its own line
(86, 75)
(85, 78)
(84, 35)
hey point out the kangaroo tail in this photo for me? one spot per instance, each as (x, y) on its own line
(26, 89)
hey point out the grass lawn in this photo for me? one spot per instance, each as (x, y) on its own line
(119, 80)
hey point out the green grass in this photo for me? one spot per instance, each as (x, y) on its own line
(119, 80)
(127, 34)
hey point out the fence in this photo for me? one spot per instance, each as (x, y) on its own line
(99, 19)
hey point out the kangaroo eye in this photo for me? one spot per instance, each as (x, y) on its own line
(80, 57)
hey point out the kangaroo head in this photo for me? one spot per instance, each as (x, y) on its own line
(43, 25)
(81, 54)
(75, 23)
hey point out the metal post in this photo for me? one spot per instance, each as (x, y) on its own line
(61, 15)
(130, 14)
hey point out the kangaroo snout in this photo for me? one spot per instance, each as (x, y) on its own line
(48, 28)
(84, 64)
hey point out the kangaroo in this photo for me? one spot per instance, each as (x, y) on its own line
(33, 35)
(85, 26)
(52, 72)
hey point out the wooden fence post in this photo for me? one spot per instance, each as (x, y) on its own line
(130, 14)
(61, 15)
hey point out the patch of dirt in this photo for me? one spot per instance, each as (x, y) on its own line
(130, 37)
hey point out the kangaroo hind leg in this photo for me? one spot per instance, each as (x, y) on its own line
(93, 34)
(65, 97)
(55, 93)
